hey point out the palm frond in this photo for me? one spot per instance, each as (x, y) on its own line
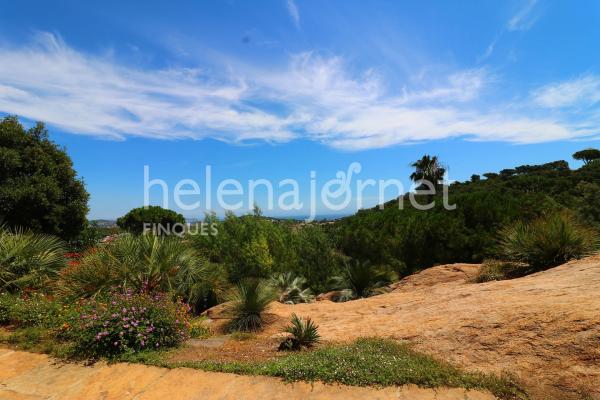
(29, 259)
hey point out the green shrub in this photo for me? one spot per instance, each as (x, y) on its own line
(142, 263)
(248, 300)
(7, 302)
(304, 334)
(494, 270)
(364, 279)
(123, 322)
(547, 241)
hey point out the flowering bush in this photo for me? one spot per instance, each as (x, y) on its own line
(128, 322)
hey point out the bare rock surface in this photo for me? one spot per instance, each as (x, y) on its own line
(27, 376)
(544, 329)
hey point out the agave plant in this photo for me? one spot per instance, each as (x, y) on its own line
(363, 279)
(291, 289)
(247, 301)
(142, 263)
(304, 333)
(29, 260)
(548, 241)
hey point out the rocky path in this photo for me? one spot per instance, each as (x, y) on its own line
(27, 376)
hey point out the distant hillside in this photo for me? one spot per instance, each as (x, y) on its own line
(411, 239)
(104, 223)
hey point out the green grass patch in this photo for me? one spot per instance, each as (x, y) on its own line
(36, 339)
(366, 362)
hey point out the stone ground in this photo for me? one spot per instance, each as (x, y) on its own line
(27, 376)
(544, 329)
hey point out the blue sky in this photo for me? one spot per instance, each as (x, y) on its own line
(275, 89)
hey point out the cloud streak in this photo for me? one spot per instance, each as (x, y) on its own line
(524, 19)
(584, 91)
(294, 13)
(312, 97)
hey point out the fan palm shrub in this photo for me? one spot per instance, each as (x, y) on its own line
(291, 289)
(248, 299)
(548, 241)
(29, 260)
(304, 333)
(362, 279)
(143, 263)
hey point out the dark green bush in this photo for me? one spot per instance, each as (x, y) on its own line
(548, 241)
(363, 279)
(39, 189)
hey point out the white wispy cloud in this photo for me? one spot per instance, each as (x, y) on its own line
(583, 91)
(51, 82)
(294, 13)
(524, 18)
(489, 50)
(313, 97)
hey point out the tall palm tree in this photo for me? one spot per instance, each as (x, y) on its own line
(428, 168)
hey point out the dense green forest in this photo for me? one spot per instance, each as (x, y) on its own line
(412, 239)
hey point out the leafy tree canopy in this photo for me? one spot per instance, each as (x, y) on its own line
(39, 189)
(587, 155)
(135, 219)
